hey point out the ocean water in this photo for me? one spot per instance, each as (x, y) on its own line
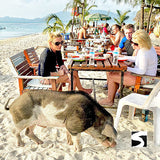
(20, 29)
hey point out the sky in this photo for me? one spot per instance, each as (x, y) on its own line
(41, 8)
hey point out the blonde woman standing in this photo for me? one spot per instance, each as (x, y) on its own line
(50, 57)
(145, 63)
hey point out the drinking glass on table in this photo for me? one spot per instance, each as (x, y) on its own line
(91, 55)
(115, 57)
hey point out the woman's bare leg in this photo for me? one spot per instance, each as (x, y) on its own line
(78, 83)
(114, 79)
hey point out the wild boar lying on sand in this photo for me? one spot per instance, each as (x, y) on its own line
(75, 110)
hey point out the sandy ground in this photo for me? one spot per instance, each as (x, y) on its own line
(55, 145)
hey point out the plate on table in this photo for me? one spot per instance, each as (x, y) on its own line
(109, 52)
(124, 53)
(75, 56)
(99, 59)
(121, 59)
(87, 57)
(78, 60)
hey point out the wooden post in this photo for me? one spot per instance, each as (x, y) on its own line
(53, 83)
(21, 87)
(138, 83)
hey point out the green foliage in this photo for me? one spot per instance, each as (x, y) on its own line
(122, 17)
(57, 24)
(86, 4)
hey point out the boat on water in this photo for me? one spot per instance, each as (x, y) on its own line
(2, 28)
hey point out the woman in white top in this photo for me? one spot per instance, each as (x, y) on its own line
(145, 63)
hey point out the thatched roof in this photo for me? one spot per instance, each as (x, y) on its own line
(138, 17)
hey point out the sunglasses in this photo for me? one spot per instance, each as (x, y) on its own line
(58, 43)
(136, 44)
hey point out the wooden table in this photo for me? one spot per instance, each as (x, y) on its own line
(99, 65)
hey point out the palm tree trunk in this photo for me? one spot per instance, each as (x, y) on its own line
(83, 14)
(73, 19)
(149, 16)
(142, 14)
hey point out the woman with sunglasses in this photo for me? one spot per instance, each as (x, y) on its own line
(145, 63)
(50, 57)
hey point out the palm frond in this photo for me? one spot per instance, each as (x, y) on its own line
(127, 17)
(122, 16)
(92, 6)
(69, 24)
(48, 29)
(118, 22)
(52, 17)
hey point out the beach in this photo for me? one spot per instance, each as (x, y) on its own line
(55, 145)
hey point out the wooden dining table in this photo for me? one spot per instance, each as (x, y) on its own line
(98, 65)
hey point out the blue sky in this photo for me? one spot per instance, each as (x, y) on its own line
(41, 8)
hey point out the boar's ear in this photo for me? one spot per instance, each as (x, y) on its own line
(109, 131)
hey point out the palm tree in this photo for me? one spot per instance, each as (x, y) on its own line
(151, 3)
(73, 5)
(57, 25)
(134, 3)
(85, 6)
(121, 17)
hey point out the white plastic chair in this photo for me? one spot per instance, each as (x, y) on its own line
(151, 102)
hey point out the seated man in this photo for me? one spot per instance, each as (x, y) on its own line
(82, 32)
(115, 40)
(117, 35)
(49, 59)
(125, 43)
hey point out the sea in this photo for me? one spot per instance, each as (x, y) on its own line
(10, 30)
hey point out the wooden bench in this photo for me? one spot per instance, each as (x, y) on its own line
(25, 74)
(32, 59)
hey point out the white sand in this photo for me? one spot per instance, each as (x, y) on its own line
(55, 145)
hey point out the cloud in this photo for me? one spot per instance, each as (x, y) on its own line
(30, 8)
(112, 6)
(42, 8)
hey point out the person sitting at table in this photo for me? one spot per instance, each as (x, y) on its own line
(145, 63)
(105, 29)
(82, 34)
(50, 57)
(125, 44)
(117, 35)
(115, 40)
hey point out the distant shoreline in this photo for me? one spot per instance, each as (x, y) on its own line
(19, 37)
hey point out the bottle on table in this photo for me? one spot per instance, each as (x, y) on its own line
(87, 43)
(91, 55)
(115, 57)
